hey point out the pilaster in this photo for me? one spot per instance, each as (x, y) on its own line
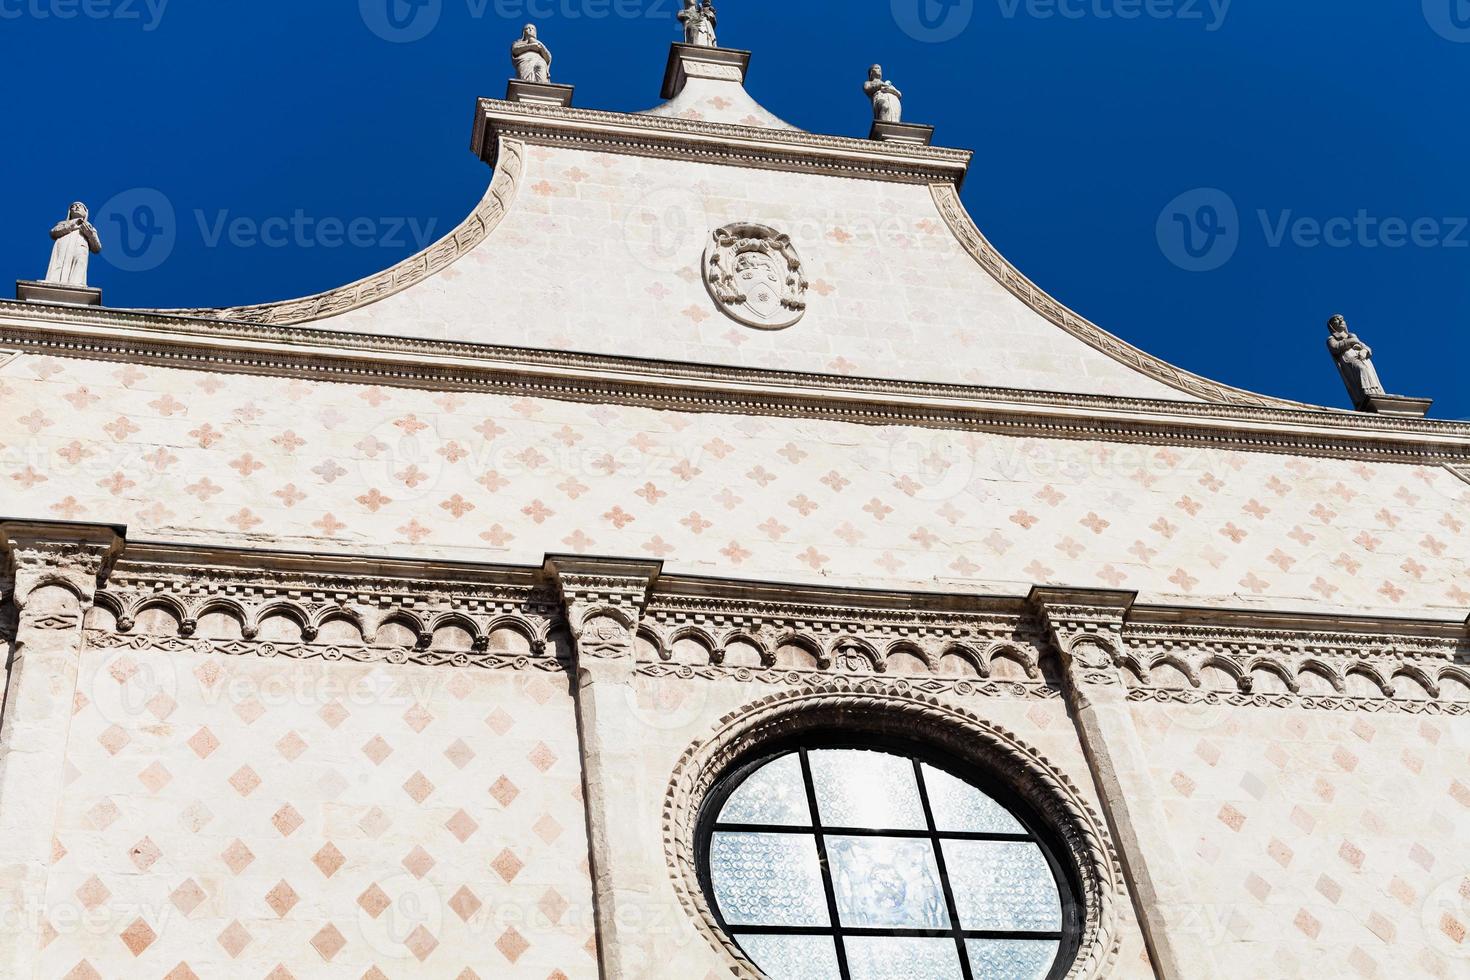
(55, 570)
(1086, 628)
(604, 601)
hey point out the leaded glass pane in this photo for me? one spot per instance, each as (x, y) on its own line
(793, 957)
(775, 794)
(1005, 885)
(1011, 959)
(960, 807)
(886, 883)
(866, 790)
(767, 880)
(885, 958)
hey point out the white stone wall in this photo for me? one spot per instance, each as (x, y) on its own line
(1325, 843)
(229, 816)
(236, 459)
(603, 253)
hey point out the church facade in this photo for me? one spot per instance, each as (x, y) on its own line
(713, 559)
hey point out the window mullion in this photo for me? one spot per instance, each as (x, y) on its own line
(827, 885)
(949, 902)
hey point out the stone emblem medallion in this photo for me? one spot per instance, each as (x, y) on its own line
(755, 276)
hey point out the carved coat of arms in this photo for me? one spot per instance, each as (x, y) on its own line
(755, 275)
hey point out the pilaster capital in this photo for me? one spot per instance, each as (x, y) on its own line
(1086, 627)
(74, 556)
(603, 599)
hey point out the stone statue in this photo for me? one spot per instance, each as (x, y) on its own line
(532, 58)
(698, 18)
(75, 240)
(887, 99)
(1354, 361)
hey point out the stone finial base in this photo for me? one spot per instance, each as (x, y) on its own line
(30, 291)
(538, 93)
(688, 61)
(897, 132)
(1398, 406)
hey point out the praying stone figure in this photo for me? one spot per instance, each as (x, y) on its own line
(75, 241)
(887, 99)
(1354, 362)
(698, 18)
(532, 58)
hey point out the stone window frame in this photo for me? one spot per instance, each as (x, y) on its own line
(877, 711)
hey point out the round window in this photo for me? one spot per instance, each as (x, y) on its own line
(856, 861)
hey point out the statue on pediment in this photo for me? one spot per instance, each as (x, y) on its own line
(75, 240)
(532, 58)
(887, 99)
(1354, 361)
(698, 18)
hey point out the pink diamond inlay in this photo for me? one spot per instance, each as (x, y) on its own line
(328, 942)
(138, 937)
(421, 943)
(328, 859)
(234, 939)
(418, 862)
(465, 903)
(462, 826)
(512, 944)
(237, 856)
(373, 901)
(507, 865)
(418, 787)
(282, 898)
(186, 897)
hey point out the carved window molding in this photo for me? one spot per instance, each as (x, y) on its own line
(890, 710)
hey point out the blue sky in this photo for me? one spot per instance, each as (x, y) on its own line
(1210, 179)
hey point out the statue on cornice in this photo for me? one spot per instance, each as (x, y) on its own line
(698, 18)
(75, 241)
(887, 99)
(1354, 361)
(532, 58)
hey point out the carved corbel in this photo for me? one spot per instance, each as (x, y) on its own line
(1086, 628)
(603, 600)
(73, 556)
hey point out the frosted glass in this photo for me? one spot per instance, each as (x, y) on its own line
(866, 790)
(874, 958)
(793, 957)
(1011, 959)
(886, 883)
(1002, 885)
(774, 794)
(767, 880)
(960, 807)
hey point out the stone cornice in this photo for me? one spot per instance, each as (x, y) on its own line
(670, 137)
(296, 351)
(689, 627)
